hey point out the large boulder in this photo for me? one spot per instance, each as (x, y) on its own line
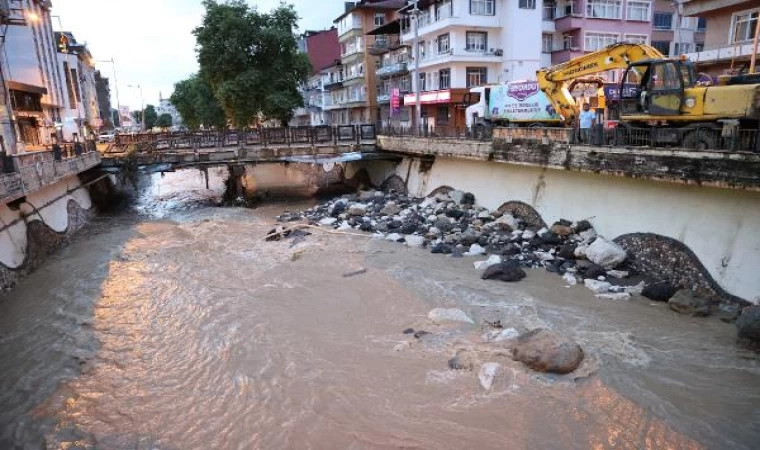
(661, 291)
(749, 323)
(605, 253)
(561, 230)
(685, 302)
(506, 271)
(357, 209)
(457, 196)
(390, 209)
(448, 315)
(546, 351)
(488, 371)
(415, 241)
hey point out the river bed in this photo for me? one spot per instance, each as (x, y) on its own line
(176, 326)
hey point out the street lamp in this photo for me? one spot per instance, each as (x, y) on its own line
(142, 104)
(417, 107)
(115, 83)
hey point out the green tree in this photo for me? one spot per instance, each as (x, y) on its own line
(137, 117)
(251, 60)
(151, 117)
(164, 121)
(197, 104)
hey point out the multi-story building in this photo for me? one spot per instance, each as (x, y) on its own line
(104, 100)
(468, 43)
(32, 75)
(393, 80)
(730, 29)
(80, 117)
(165, 107)
(572, 28)
(672, 33)
(323, 50)
(356, 92)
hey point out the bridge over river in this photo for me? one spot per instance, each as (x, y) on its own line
(159, 152)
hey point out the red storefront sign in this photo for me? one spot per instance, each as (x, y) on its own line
(395, 101)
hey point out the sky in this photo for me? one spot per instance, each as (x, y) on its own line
(151, 41)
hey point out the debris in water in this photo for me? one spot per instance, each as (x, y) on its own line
(355, 273)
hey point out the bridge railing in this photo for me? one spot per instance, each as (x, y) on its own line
(702, 138)
(264, 136)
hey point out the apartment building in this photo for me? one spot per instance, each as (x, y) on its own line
(731, 26)
(463, 44)
(32, 75)
(353, 99)
(80, 118)
(392, 76)
(674, 34)
(323, 50)
(572, 28)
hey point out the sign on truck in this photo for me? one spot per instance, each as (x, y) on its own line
(520, 101)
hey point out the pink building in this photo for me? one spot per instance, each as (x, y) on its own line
(572, 28)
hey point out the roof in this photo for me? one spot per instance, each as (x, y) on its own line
(323, 49)
(374, 4)
(393, 27)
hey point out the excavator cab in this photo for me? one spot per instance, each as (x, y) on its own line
(660, 87)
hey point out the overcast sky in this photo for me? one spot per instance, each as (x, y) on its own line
(151, 40)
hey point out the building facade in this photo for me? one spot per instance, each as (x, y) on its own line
(323, 50)
(80, 118)
(730, 28)
(165, 107)
(103, 89)
(33, 77)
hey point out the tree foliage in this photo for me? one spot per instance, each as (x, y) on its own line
(151, 116)
(164, 120)
(197, 104)
(115, 117)
(251, 61)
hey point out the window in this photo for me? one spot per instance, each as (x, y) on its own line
(527, 4)
(699, 47)
(569, 42)
(636, 38)
(701, 24)
(681, 48)
(546, 43)
(442, 115)
(603, 9)
(477, 41)
(663, 21)
(597, 41)
(662, 46)
(638, 11)
(444, 79)
(482, 7)
(422, 84)
(744, 25)
(477, 76)
(421, 47)
(443, 43)
(405, 84)
(379, 19)
(443, 10)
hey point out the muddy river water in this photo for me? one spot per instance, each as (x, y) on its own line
(176, 326)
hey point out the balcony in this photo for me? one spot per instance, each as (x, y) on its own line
(384, 44)
(724, 52)
(333, 84)
(429, 26)
(383, 99)
(462, 55)
(392, 69)
(352, 79)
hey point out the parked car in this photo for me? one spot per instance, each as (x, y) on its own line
(106, 138)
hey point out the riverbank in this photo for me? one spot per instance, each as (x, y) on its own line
(185, 329)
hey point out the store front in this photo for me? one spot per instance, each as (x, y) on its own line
(444, 108)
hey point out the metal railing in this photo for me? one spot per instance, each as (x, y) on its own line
(700, 138)
(264, 136)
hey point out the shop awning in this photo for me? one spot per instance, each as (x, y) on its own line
(16, 86)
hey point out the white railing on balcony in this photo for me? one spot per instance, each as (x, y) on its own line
(475, 54)
(568, 9)
(390, 69)
(722, 52)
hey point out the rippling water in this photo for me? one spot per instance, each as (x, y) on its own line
(178, 327)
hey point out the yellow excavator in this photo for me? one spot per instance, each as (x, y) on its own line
(667, 100)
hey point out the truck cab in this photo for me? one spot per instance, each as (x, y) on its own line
(477, 114)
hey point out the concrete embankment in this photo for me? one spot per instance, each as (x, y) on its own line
(696, 234)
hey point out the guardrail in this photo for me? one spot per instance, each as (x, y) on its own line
(701, 138)
(265, 136)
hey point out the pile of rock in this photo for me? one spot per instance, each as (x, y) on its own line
(451, 224)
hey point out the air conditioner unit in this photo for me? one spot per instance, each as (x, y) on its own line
(498, 52)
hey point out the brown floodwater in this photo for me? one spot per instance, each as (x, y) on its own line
(176, 326)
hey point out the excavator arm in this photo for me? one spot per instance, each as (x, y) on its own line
(553, 80)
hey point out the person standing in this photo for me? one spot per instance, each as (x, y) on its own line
(587, 120)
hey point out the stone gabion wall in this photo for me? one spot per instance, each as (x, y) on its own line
(42, 241)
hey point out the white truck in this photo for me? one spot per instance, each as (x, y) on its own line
(517, 103)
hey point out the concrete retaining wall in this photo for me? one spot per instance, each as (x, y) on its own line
(38, 225)
(718, 225)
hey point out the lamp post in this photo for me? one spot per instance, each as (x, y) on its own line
(417, 107)
(71, 78)
(142, 105)
(115, 83)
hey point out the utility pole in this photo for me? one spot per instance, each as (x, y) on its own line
(142, 106)
(417, 107)
(754, 48)
(115, 83)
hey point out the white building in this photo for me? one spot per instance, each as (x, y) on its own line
(468, 43)
(166, 107)
(33, 77)
(81, 116)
